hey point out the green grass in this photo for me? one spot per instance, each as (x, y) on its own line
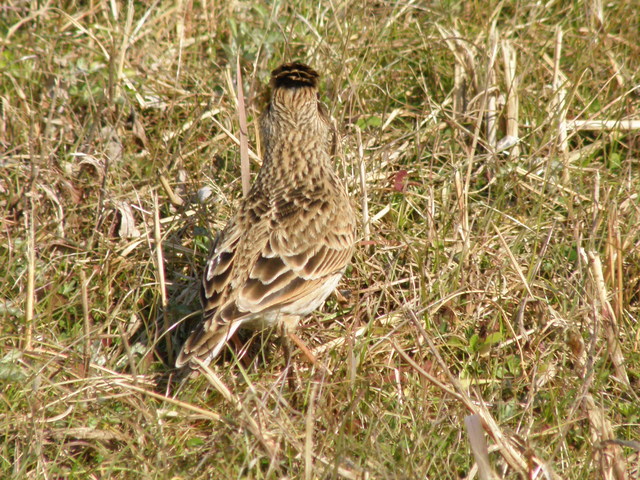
(488, 260)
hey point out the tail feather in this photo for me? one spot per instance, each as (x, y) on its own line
(205, 345)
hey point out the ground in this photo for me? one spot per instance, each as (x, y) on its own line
(492, 151)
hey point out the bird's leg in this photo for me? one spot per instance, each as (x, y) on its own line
(286, 347)
(303, 348)
(241, 348)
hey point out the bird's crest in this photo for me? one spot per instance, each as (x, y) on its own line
(294, 75)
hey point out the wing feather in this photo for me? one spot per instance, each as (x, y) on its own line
(285, 264)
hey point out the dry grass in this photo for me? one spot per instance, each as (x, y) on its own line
(493, 150)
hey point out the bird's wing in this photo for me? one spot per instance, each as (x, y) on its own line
(305, 255)
(206, 341)
(287, 264)
(286, 279)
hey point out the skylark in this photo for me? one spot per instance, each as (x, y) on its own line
(288, 244)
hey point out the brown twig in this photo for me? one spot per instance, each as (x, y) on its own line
(511, 80)
(598, 125)
(86, 321)
(363, 187)
(244, 137)
(605, 314)
(173, 198)
(479, 446)
(161, 277)
(559, 100)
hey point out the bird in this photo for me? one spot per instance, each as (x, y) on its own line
(290, 240)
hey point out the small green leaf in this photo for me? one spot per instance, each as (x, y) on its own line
(194, 442)
(365, 122)
(615, 161)
(493, 338)
(473, 342)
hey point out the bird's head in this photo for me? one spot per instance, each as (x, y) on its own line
(294, 95)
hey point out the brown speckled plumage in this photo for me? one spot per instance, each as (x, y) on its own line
(290, 240)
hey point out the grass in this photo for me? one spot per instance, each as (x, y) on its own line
(503, 284)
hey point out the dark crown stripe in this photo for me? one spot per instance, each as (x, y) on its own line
(294, 75)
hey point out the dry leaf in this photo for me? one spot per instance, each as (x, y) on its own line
(127, 227)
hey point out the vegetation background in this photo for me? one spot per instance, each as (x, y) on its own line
(492, 148)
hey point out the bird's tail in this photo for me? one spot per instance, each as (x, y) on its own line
(205, 345)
